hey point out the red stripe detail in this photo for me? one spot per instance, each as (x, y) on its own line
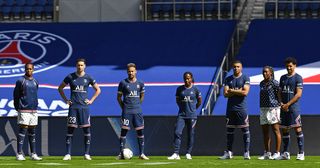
(315, 78)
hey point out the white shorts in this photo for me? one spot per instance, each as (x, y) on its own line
(269, 115)
(27, 119)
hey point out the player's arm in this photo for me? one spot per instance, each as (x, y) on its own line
(226, 91)
(61, 92)
(199, 101)
(16, 95)
(241, 92)
(279, 96)
(295, 98)
(141, 97)
(96, 93)
(119, 98)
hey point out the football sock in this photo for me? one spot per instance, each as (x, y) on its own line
(123, 139)
(230, 137)
(246, 138)
(286, 141)
(69, 139)
(32, 139)
(87, 139)
(140, 134)
(300, 140)
(21, 135)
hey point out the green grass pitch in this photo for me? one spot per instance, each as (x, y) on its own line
(159, 161)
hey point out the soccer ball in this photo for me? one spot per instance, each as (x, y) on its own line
(127, 153)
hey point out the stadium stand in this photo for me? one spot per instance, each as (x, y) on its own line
(292, 9)
(189, 9)
(26, 10)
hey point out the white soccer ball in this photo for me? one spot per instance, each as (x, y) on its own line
(127, 153)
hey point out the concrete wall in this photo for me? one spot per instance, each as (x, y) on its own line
(99, 10)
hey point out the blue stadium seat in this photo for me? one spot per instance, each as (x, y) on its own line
(9, 2)
(1, 2)
(38, 12)
(301, 9)
(31, 2)
(42, 2)
(179, 11)
(27, 12)
(225, 9)
(315, 9)
(270, 8)
(50, 2)
(155, 9)
(6, 12)
(20, 2)
(48, 10)
(17, 12)
(167, 9)
(197, 8)
(187, 7)
(211, 9)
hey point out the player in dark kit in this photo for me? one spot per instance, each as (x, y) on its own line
(26, 103)
(236, 89)
(290, 92)
(188, 99)
(130, 96)
(79, 115)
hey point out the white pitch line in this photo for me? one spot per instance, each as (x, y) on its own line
(10, 164)
(53, 164)
(110, 164)
(157, 163)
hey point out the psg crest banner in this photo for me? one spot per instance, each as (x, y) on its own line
(162, 52)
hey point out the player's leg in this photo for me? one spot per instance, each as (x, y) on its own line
(32, 142)
(277, 134)
(191, 123)
(138, 124)
(244, 124)
(72, 123)
(264, 122)
(300, 136)
(180, 123)
(230, 125)
(84, 123)
(23, 122)
(125, 127)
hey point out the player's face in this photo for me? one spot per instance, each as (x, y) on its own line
(267, 74)
(80, 66)
(29, 70)
(187, 80)
(290, 68)
(132, 72)
(237, 69)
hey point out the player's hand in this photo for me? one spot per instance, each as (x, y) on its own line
(88, 102)
(285, 107)
(69, 102)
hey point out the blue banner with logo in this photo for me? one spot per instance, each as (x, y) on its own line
(162, 51)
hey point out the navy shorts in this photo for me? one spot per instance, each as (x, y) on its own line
(290, 119)
(78, 117)
(135, 119)
(237, 119)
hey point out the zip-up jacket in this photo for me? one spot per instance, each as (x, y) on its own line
(26, 95)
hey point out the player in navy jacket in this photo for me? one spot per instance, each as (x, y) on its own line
(26, 103)
(188, 98)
